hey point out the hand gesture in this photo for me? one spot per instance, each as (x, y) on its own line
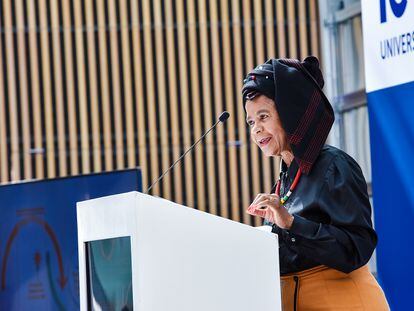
(268, 207)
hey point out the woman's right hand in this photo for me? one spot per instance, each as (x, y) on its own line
(268, 207)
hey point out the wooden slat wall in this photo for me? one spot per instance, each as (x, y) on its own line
(95, 85)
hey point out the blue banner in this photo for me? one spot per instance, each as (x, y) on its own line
(38, 238)
(391, 113)
(388, 30)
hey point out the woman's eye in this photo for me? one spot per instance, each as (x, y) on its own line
(263, 116)
(250, 123)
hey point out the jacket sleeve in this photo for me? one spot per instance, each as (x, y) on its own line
(348, 240)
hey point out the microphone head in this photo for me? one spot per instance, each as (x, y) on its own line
(224, 116)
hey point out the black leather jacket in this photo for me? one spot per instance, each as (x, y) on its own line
(332, 216)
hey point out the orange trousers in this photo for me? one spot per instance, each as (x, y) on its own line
(323, 288)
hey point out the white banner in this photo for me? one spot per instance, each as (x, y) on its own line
(388, 29)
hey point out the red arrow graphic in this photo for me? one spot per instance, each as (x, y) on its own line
(62, 278)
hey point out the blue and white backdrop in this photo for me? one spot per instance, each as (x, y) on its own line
(388, 29)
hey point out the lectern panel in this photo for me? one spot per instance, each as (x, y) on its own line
(109, 274)
(181, 259)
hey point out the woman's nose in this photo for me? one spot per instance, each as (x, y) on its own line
(257, 128)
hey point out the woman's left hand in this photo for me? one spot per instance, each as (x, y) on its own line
(273, 211)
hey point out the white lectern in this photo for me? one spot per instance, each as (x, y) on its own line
(149, 254)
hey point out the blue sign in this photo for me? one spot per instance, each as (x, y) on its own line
(38, 238)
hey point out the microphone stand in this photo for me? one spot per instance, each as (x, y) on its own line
(222, 118)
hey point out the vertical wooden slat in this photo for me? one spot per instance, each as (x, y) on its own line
(139, 91)
(60, 110)
(249, 66)
(258, 29)
(82, 98)
(24, 100)
(4, 174)
(185, 111)
(229, 76)
(195, 100)
(302, 29)
(153, 131)
(93, 83)
(219, 106)
(12, 92)
(117, 103)
(162, 99)
(172, 92)
(103, 65)
(259, 45)
(292, 29)
(241, 124)
(70, 87)
(35, 78)
(269, 29)
(126, 61)
(207, 106)
(281, 36)
(313, 7)
(47, 90)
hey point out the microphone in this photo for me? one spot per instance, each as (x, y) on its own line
(222, 118)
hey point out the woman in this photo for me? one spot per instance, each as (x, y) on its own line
(319, 208)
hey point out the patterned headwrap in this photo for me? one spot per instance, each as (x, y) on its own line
(305, 112)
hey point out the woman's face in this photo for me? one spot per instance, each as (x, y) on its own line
(265, 126)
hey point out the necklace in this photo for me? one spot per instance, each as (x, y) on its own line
(292, 187)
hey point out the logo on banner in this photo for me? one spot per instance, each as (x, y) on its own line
(397, 8)
(388, 32)
(398, 44)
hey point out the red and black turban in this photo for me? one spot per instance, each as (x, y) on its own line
(305, 112)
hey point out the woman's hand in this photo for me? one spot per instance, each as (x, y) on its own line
(268, 206)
